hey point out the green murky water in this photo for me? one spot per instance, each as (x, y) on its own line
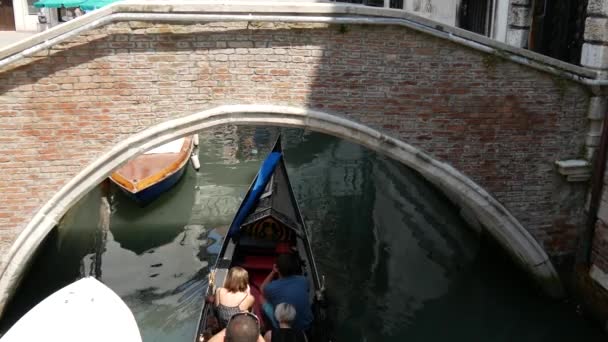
(400, 263)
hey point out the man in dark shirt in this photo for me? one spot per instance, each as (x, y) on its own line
(291, 288)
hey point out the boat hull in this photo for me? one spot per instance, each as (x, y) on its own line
(151, 193)
(146, 177)
(267, 224)
(85, 310)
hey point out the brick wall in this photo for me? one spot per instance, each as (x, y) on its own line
(500, 123)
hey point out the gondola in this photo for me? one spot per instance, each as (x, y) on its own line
(267, 223)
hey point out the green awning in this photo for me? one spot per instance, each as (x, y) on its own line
(89, 5)
(58, 3)
(86, 5)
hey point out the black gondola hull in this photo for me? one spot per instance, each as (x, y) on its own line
(267, 224)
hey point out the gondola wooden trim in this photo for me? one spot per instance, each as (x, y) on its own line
(182, 158)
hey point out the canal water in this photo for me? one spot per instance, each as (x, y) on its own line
(400, 264)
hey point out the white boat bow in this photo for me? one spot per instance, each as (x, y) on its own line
(85, 310)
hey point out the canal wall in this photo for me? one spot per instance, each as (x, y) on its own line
(497, 115)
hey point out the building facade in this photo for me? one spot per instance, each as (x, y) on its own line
(18, 15)
(21, 15)
(552, 28)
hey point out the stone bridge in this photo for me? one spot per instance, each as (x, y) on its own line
(483, 121)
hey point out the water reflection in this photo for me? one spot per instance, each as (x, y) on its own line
(160, 221)
(400, 263)
(388, 242)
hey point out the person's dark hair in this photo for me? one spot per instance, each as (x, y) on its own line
(242, 328)
(288, 265)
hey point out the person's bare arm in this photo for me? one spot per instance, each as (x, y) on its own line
(219, 337)
(217, 297)
(269, 278)
(249, 302)
(268, 336)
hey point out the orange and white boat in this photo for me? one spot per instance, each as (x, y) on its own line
(155, 171)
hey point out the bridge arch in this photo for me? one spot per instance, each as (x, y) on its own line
(496, 219)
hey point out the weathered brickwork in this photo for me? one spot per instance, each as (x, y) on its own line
(500, 123)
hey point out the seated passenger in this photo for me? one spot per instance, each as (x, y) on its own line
(285, 314)
(291, 288)
(242, 327)
(234, 297)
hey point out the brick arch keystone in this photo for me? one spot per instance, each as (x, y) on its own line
(496, 219)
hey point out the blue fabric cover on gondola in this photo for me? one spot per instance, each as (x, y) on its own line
(262, 178)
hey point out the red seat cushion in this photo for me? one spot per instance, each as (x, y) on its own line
(257, 306)
(258, 262)
(283, 248)
(257, 278)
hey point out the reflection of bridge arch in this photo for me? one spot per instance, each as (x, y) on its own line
(496, 218)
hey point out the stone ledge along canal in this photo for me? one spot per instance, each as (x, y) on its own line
(400, 263)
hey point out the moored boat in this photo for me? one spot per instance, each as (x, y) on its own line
(148, 175)
(85, 310)
(267, 223)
